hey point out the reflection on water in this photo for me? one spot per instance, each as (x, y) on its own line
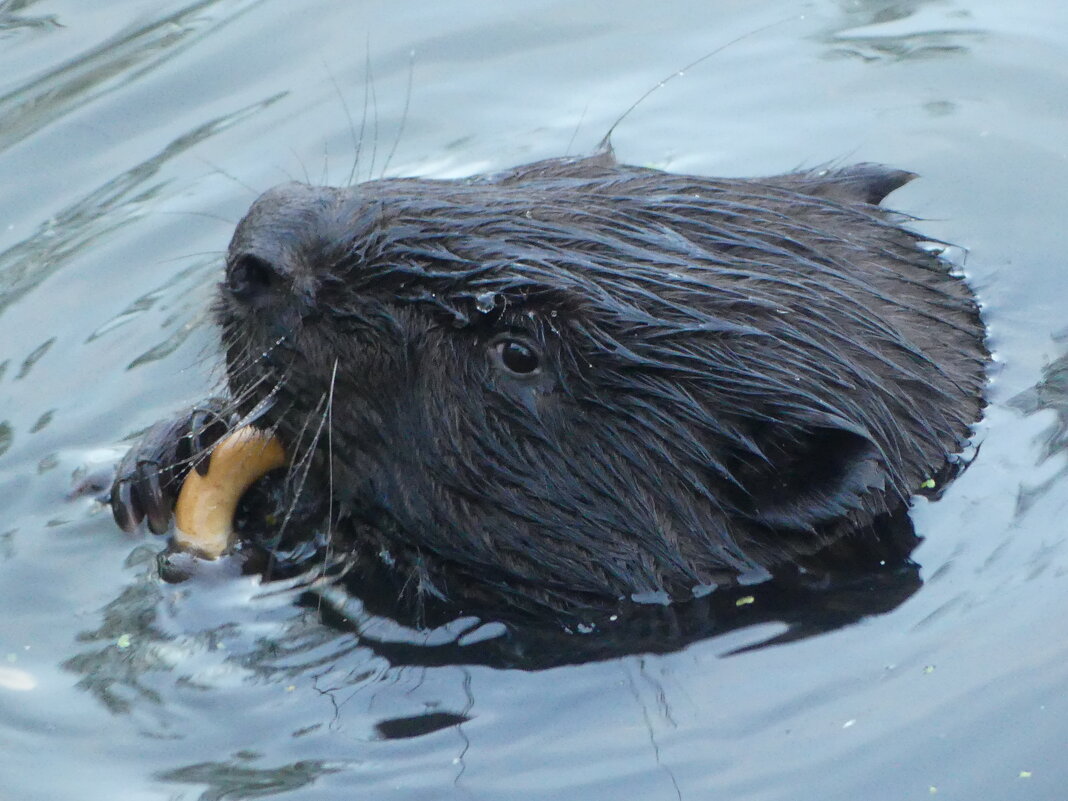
(238, 779)
(34, 356)
(115, 684)
(1049, 394)
(862, 13)
(87, 76)
(898, 48)
(115, 204)
(860, 32)
(125, 646)
(11, 19)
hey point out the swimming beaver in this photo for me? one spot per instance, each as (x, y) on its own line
(578, 381)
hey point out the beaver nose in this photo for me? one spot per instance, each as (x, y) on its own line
(249, 277)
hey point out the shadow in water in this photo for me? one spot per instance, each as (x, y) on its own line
(800, 609)
(855, 581)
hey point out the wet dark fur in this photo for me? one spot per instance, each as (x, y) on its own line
(734, 375)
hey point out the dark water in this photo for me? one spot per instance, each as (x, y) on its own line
(132, 136)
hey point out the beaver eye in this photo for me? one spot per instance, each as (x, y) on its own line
(517, 357)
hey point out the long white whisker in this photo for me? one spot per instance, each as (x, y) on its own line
(404, 114)
(330, 472)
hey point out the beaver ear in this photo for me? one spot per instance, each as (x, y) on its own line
(860, 183)
(812, 475)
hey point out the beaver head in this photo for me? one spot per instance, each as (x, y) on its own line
(576, 381)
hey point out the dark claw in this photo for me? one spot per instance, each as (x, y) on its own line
(150, 475)
(124, 508)
(157, 505)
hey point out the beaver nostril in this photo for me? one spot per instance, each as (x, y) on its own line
(250, 276)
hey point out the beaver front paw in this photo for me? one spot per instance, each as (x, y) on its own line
(150, 475)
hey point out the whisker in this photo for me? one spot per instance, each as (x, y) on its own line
(404, 113)
(330, 471)
(195, 254)
(374, 113)
(352, 125)
(262, 407)
(205, 214)
(300, 467)
(578, 127)
(303, 166)
(249, 359)
(363, 117)
(606, 142)
(224, 413)
(225, 174)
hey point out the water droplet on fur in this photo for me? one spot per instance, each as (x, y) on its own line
(701, 590)
(952, 255)
(486, 302)
(651, 597)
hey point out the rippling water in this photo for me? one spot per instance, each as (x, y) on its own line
(133, 134)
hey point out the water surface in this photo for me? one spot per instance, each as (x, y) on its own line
(133, 134)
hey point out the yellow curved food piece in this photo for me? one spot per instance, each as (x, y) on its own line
(204, 514)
